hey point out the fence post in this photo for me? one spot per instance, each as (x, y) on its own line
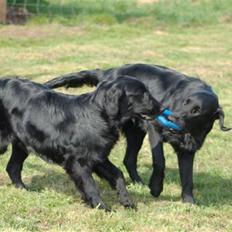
(3, 11)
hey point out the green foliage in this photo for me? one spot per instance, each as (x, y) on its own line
(33, 6)
(189, 12)
(177, 12)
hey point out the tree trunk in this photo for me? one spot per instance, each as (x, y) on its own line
(3, 11)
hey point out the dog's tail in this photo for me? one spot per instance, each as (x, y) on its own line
(88, 77)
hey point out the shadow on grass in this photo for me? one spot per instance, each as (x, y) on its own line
(209, 189)
(61, 183)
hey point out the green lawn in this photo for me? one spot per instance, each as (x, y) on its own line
(40, 52)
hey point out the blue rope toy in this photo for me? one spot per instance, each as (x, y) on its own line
(163, 120)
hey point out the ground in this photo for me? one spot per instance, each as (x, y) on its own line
(41, 52)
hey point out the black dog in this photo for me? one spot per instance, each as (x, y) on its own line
(195, 106)
(76, 132)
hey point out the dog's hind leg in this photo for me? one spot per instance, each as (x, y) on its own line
(114, 176)
(81, 174)
(134, 136)
(15, 165)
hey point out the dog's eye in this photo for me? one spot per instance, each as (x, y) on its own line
(187, 101)
(195, 110)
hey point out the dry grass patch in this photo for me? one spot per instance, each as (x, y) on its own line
(147, 1)
(39, 31)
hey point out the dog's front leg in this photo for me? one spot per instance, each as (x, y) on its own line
(114, 176)
(81, 174)
(157, 177)
(185, 162)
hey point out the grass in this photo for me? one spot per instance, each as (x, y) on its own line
(40, 52)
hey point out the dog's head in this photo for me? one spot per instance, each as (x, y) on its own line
(196, 113)
(125, 98)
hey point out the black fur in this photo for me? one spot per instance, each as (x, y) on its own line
(76, 132)
(195, 107)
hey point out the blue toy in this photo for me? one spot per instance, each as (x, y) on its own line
(162, 120)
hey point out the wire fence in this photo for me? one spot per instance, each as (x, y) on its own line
(72, 7)
(42, 7)
(109, 10)
(118, 9)
(180, 12)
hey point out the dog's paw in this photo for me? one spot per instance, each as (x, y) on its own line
(156, 185)
(138, 181)
(188, 199)
(21, 186)
(155, 192)
(103, 206)
(130, 205)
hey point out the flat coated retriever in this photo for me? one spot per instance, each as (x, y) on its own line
(195, 107)
(76, 132)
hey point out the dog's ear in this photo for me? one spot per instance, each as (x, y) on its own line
(220, 115)
(109, 95)
(114, 99)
